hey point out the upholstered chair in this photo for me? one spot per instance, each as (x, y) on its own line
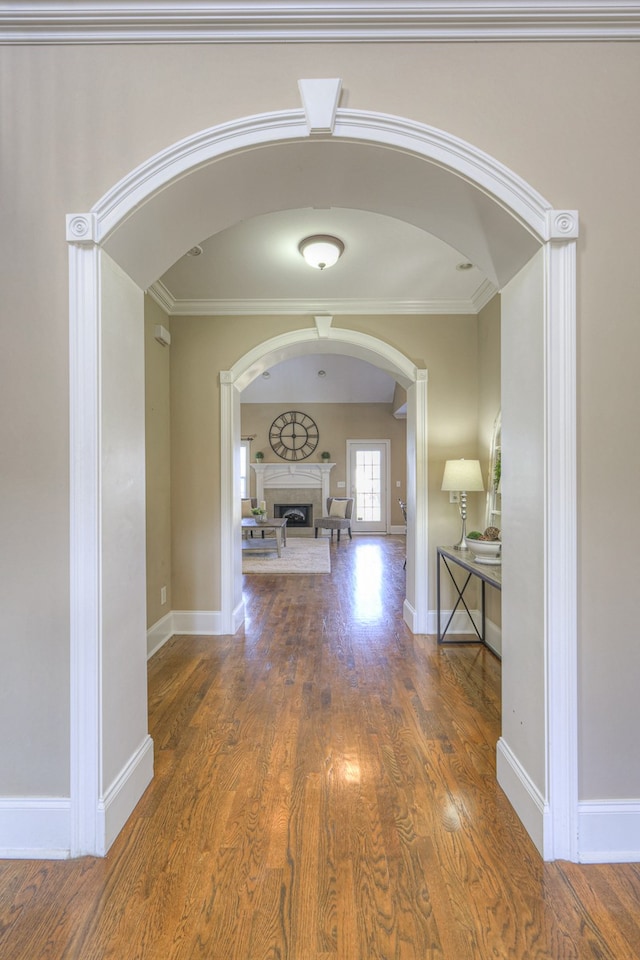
(339, 510)
(248, 503)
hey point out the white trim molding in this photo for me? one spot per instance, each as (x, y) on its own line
(524, 797)
(123, 794)
(188, 623)
(158, 634)
(462, 624)
(35, 828)
(197, 623)
(85, 543)
(560, 562)
(609, 831)
(290, 307)
(275, 21)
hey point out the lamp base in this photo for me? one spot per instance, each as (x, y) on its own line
(461, 544)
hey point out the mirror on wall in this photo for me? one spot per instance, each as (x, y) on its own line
(493, 516)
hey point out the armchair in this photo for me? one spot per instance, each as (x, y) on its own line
(339, 510)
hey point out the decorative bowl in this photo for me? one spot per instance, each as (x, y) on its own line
(485, 551)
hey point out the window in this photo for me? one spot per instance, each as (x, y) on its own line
(245, 455)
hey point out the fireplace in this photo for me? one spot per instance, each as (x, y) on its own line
(297, 514)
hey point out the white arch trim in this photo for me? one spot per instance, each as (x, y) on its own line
(556, 229)
(333, 340)
(440, 148)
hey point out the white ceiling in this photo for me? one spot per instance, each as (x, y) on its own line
(388, 266)
(321, 378)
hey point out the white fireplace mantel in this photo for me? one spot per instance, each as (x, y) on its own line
(314, 476)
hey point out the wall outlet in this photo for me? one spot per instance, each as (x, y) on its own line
(398, 483)
(163, 594)
(454, 496)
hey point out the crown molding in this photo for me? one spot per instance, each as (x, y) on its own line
(344, 307)
(485, 292)
(162, 297)
(262, 21)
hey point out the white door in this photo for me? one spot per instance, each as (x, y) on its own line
(369, 484)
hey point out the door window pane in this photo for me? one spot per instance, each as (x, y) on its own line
(368, 486)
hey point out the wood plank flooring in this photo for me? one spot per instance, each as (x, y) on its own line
(325, 790)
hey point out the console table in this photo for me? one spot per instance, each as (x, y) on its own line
(487, 573)
(278, 526)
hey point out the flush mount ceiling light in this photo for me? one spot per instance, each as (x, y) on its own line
(194, 252)
(321, 251)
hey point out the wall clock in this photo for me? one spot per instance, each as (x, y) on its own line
(293, 435)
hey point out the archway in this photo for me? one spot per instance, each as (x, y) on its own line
(326, 339)
(166, 189)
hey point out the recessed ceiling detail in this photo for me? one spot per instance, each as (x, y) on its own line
(389, 267)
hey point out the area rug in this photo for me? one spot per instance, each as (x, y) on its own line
(301, 555)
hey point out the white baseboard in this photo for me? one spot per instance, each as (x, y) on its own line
(157, 635)
(190, 623)
(523, 795)
(125, 792)
(197, 622)
(609, 831)
(493, 637)
(409, 616)
(35, 828)
(398, 529)
(461, 623)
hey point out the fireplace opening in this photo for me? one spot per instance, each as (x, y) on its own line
(297, 514)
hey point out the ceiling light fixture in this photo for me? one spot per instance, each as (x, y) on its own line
(194, 252)
(464, 266)
(322, 373)
(321, 251)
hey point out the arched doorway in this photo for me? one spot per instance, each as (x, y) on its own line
(404, 159)
(324, 338)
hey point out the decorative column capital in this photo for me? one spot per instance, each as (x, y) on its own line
(562, 224)
(81, 228)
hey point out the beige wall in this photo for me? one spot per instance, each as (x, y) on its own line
(337, 423)
(67, 139)
(523, 513)
(123, 671)
(158, 463)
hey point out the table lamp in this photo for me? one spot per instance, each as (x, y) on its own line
(462, 476)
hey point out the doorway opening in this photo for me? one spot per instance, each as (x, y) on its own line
(368, 482)
(123, 223)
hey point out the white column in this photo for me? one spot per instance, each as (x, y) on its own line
(561, 538)
(85, 540)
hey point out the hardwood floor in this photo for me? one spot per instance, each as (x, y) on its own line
(325, 790)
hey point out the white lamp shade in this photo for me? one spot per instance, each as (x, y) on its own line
(321, 251)
(462, 475)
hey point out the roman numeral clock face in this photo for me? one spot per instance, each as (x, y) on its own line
(293, 435)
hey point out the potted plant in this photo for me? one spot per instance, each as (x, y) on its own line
(325, 455)
(259, 456)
